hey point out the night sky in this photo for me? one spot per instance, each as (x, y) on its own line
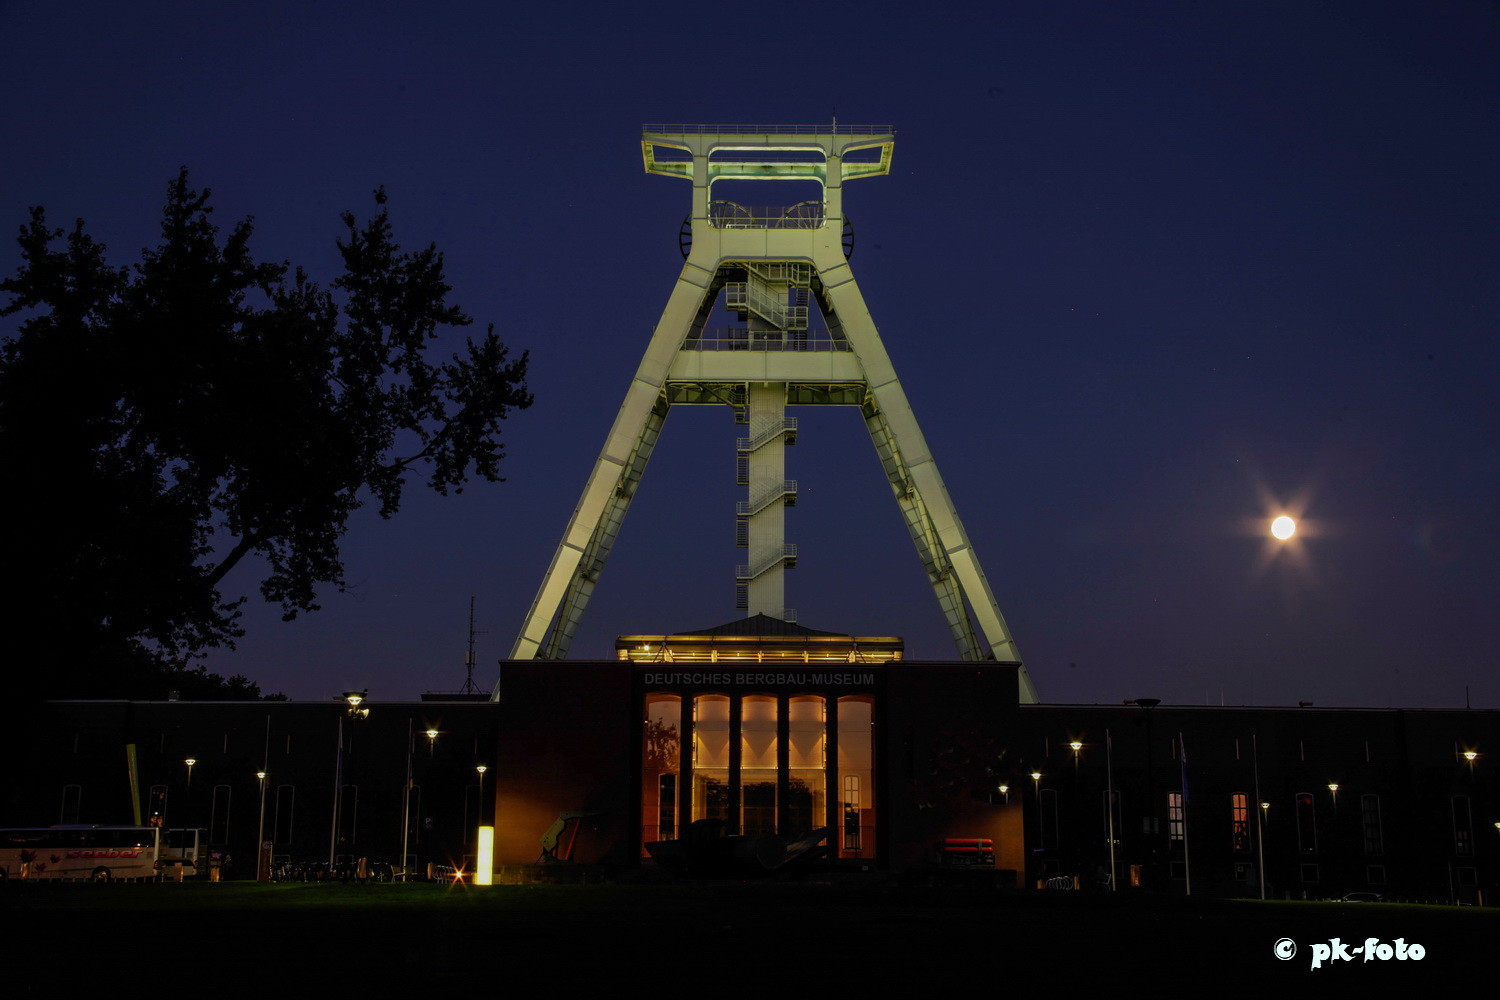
(1151, 274)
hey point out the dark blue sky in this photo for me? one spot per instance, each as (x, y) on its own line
(1149, 272)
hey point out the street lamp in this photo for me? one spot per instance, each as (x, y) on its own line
(1260, 846)
(261, 874)
(1005, 791)
(1036, 788)
(188, 798)
(481, 768)
(432, 735)
(1470, 756)
(353, 700)
(1075, 746)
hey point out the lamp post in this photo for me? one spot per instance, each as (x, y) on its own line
(1036, 790)
(406, 801)
(1153, 828)
(1470, 756)
(261, 874)
(353, 700)
(1036, 796)
(187, 811)
(480, 769)
(1265, 819)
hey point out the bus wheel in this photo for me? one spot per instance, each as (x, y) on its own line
(101, 874)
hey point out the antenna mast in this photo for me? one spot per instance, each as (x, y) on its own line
(469, 686)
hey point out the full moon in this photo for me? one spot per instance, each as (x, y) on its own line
(1283, 527)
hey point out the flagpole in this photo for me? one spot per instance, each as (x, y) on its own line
(1187, 867)
(1260, 817)
(1109, 806)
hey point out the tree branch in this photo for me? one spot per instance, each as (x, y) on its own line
(241, 549)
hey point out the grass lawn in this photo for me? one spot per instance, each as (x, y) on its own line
(736, 939)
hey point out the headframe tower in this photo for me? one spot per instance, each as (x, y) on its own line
(770, 266)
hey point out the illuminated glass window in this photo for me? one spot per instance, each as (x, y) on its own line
(661, 766)
(1239, 822)
(1307, 824)
(856, 763)
(761, 764)
(1369, 812)
(807, 764)
(758, 768)
(711, 757)
(1176, 829)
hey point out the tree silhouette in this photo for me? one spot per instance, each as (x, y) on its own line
(161, 423)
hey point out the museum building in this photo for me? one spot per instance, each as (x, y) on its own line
(794, 749)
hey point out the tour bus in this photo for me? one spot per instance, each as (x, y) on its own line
(100, 853)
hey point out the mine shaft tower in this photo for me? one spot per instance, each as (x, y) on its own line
(770, 267)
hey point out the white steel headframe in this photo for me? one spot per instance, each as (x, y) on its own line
(763, 260)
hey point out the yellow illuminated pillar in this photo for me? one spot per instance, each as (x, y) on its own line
(484, 865)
